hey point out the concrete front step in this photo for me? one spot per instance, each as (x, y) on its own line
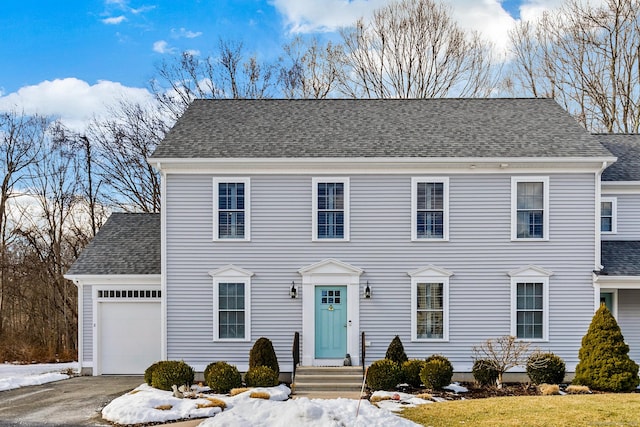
(320, 379)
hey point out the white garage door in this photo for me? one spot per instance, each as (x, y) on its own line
(129, 336)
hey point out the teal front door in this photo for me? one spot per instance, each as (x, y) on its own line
(331, 322)
(606, 298)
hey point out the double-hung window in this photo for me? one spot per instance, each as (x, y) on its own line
(231, 215)
(608, 214)
(529, 303)
(429, 206)
(430, 304)
(231, 304)
(530, 208)
(330, 209)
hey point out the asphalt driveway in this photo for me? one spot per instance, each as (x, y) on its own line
(74, 402)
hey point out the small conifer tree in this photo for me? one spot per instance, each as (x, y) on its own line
(396, 352)
(263, 354)
(604, 362)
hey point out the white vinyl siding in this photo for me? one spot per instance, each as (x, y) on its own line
(330, 209)
(479, 252)
(232, 214)
(429, 209)
(608, 215)
(529, 208)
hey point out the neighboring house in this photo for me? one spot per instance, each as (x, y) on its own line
(443, 221)
(619, 280)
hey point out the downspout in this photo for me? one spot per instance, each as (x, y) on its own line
(163, 262)
(597, 267)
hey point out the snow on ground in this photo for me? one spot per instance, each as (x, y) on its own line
(139, 406)
(16, 376)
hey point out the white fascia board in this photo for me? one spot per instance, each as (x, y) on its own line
(618, 282)
(620, 187)
(374, 165)
(115, 279)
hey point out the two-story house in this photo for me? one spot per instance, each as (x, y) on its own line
(443, 221)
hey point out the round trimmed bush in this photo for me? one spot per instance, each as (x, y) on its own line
(222, 377)
(411, 372)
(384, 374)
(545, 368)
(148, 373)
(437, 372)
(484, 373)
(261, 376)
(263, 354)
(171, 372)
(395, 351)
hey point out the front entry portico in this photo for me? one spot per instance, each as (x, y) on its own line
(330, 313)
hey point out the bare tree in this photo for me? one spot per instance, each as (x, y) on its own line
(414, 49)
(501, 354)
(228, 74)
(588, 59)
(124, 141)
(21, 139)
(310, 69)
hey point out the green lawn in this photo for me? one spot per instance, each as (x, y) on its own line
(606, 410)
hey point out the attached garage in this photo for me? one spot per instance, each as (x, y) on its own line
(119, 297)
(128, 330)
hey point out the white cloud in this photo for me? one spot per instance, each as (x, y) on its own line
(72, 100)
(487, 16)
(184, 33)
(114, 20)
(141, 9)
(162, 46)
(193, 52)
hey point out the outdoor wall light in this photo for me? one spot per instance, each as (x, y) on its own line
(367, 291)
(293, 292)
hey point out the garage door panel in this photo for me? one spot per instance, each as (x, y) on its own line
(129, 336)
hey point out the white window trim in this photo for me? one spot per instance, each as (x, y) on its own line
(232, 274)
(530, 274)
(614, 214)
(514, 208)
(430, 274)
(347, 208)
(247, 207)
(414, 208)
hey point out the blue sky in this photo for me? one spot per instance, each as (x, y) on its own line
(57, 52)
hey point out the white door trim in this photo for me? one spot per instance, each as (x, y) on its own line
(330, 272)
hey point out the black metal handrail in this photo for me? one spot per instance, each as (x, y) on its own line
(295, 352)
(363, 353)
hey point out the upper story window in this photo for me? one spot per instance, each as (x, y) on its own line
(430, 206)
(231, 215)
(608, 214)
(330, 209)
(530, 303)
(530, 208)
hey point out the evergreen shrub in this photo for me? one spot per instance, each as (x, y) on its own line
(261, 376)
(546, 368)
(604, 362)
(395, 351)
(384, 374)
(411, 372)
(484, 373)
(437, 372)
(263, 354)
(222, 377)
(149, 372)
(171, 372)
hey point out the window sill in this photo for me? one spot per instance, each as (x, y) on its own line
(429, 240)
(231, 340)
(430, 340)
(533, 239)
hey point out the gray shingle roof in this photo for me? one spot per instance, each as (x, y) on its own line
(126, 244)
(621, 258)
(626, 147)
(430, 128)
